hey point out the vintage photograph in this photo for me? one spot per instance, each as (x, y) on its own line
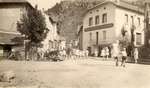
(74, 43)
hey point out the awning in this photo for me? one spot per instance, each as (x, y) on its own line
(7, 38)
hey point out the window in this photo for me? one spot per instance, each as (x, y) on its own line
(90, 36)
(97, 35)
(132, 19)
(126, 17)
(104, 35)
(90, 21)
(97, 20)
(138, 39)
(139, 21)
(104, 18)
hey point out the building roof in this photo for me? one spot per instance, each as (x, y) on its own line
(13, 1)
(121, 4)
(6, 38)
(16, 2)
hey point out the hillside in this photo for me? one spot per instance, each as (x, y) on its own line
(69, 15)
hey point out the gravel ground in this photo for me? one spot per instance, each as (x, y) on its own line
(87, 73)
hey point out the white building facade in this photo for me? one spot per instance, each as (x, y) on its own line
(103, 23)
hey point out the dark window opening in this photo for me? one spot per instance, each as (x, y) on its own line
(97, 20)
(104, 18)
(97, 35)
(90, 21)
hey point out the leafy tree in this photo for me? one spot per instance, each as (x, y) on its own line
(132, 35)
(33, 26)
(124, 41)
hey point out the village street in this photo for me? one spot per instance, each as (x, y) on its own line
(87, 73)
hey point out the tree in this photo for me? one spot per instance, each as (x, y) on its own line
(124, 41)
(33, 26)
(132, 35)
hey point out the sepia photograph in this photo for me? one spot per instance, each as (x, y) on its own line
(74, 43)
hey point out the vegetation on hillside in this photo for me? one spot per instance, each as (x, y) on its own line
(69, 15)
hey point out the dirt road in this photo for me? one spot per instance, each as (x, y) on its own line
(77, 74)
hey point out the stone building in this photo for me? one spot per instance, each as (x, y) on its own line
(11, 12)
(103, 23)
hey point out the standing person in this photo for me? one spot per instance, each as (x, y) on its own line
(103, 53)
(124, 57)
(106, 52)
(115, 53)
(136, 55)
(87, 53)
(96, 53)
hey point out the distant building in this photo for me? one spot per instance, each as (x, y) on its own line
(53, 41)
(103, 23)
(11, 12)
(62, 43)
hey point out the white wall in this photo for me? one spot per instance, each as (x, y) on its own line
(9, 15)
(110, 33)
(51, 35)
(109, 10)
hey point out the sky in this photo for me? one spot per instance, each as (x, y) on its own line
(44, 3)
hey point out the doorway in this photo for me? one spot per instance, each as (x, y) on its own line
(6, 50)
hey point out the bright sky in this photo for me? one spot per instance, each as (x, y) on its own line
(44, 3)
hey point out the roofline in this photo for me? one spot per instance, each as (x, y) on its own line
(10, 33)
(116, 4)
(20, 2)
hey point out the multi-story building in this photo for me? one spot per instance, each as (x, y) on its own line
(103, 23)
(11, 12)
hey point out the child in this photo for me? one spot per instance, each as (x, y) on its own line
(96, 53)
(124, 57)
(136, 54)
(103, 53)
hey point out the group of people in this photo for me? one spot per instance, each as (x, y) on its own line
(117, 53)
(105, 53)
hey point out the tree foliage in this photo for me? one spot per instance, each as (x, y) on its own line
(124, 41)
(33, 26)
(132, 35)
